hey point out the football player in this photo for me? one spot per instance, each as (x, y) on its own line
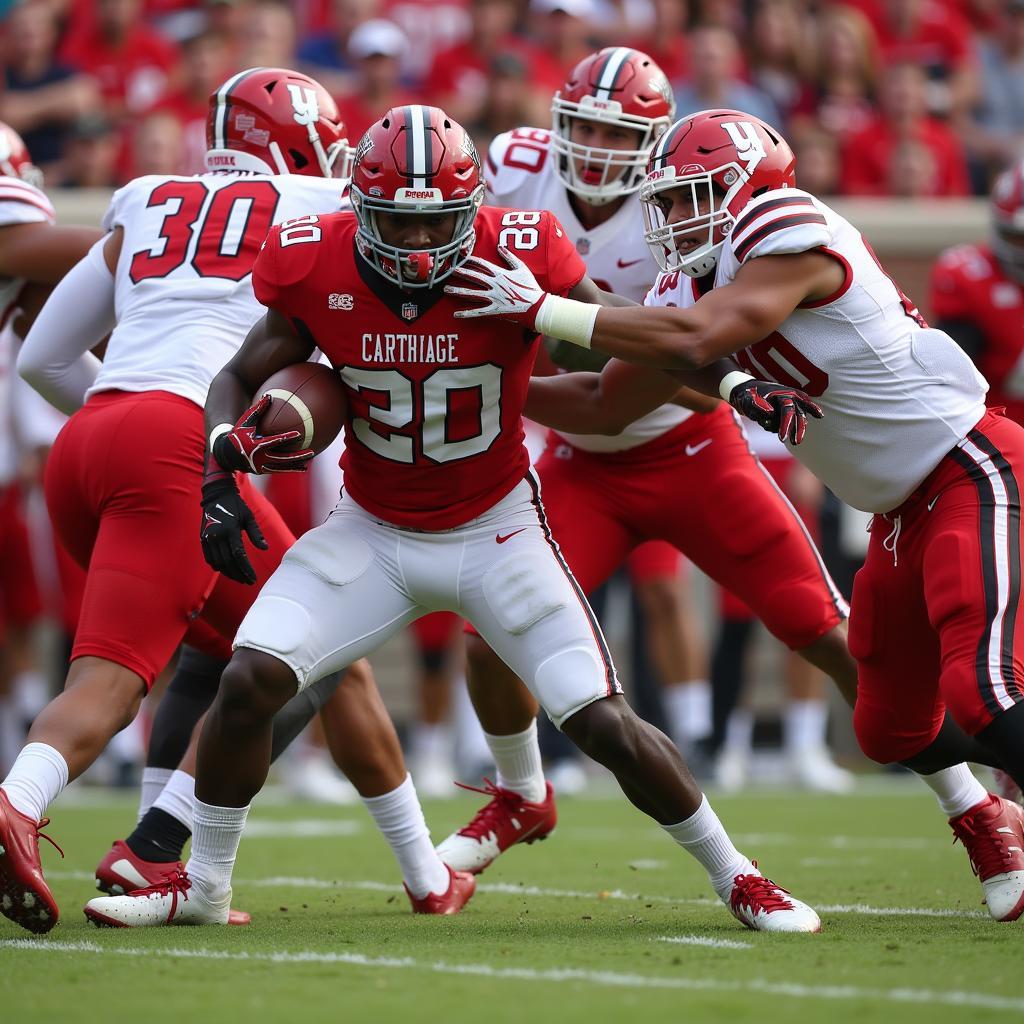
(736, 524)
(441, 510)
(169, 282)
(757, 270)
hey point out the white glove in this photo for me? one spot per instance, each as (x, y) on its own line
(511, 293)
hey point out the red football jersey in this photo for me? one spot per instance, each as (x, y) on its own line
(969, 284)
(434, 435)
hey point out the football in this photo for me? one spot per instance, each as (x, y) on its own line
(308, 397)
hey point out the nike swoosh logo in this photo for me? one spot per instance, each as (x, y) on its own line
(692, 449)
(501, 540)
(225, 511)
(622, 264)
(931, 504)
(126, 870)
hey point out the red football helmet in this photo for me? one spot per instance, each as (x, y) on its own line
(15, 161)
(276, 121)
(1008, 220)
(417, 160)
(726, 158)
(615, 86)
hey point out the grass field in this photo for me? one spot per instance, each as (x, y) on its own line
(606, 919)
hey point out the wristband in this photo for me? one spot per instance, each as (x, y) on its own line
(219, 431)
(567, 319)
(730, 381)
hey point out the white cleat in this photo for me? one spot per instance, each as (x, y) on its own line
(316, 779)
(813, 769)
(731, 767)
(170, 902)
(763, 906)
(434, 777)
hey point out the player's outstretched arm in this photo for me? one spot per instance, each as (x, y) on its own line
(43, 253)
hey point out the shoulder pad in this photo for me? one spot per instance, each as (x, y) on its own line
(777, 223)
(120, 201)
(513, 158)
(22, 203)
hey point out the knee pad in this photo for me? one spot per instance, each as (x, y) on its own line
(276, 625)
(520, 592)
(568, 681)
(880, 742)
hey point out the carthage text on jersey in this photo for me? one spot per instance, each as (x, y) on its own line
(410, 348)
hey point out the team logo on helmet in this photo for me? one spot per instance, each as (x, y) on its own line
(307, 110)
(748, 145)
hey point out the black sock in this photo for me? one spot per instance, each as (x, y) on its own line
(953, 746)
(300, 710)
(1005, 738)
(159, 837)
(727, 665)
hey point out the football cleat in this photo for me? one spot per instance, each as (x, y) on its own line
(993, 836)
(172, 901)
(508, 819)
(122, 872)
(25, 897)
(763, 906)
(813, 768)
(460, 890)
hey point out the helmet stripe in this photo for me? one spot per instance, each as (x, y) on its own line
(220, 122)
(417, 144)
(664, 145)
(610, 71)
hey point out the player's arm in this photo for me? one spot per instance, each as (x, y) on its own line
(43, 252)
(56, 360)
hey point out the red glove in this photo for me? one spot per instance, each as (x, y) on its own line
(242, 449)
(778, 409)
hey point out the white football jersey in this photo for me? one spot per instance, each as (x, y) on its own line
(183, 285)
(520, 174)
(897, 395)
(20, 203)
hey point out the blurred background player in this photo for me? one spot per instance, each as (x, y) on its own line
(123, 480)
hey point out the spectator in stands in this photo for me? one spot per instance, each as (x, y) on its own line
(778, 54)
(510, 100)
(377, 48)
(269, 35)
(434, 25)
(157, 145)
(817, 160)
(324, 54)
(870, 155)
(42, 96)
(714, 78)
(665, 40)
(90, 159)
(205, 65)
(995, 134)
(132, 63)
(458, 79)
(844, 86)
(563, 30)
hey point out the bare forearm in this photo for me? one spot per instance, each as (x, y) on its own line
(569, 402)
(654, 337)
(229, 396)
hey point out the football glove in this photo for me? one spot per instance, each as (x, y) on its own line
(244, 450)
(511, 292)
(778, 409)
(225, 518)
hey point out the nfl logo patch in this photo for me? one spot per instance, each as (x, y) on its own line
(410, 311)
(583, 246)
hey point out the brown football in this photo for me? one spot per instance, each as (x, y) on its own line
(308, 397)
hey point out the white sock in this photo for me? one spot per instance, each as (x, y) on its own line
(518, 764)
(216, 833)
(703, 835)
(956, 789)
(178, 798)
(689, 709)
(739, 731)
(153, 782)
(805, 724)
(400, 819)
(431, 742)
(37, 778)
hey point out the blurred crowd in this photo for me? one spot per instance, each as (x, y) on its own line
(880, 97)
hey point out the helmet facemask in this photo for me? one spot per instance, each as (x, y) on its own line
(621, 170)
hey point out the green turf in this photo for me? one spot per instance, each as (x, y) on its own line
(512, 955)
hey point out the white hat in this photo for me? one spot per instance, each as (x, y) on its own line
(377, 37)
(577, 8)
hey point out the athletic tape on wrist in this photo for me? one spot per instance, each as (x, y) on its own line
(567, 319)
(730, 380)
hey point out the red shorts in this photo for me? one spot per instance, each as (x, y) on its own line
(435, 633)
(654, 560)
(20, 604)
(936, 619)
(128, 512)
(711, 501)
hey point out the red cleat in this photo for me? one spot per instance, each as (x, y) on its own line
(121, 872)
(25, 897)
(993, 836)
(460, 889)
(508, 819)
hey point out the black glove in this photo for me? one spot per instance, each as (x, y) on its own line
(778, 409)
(225, 518)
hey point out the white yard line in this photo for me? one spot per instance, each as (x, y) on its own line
(510, 889)
(612, 979)
(704, 940)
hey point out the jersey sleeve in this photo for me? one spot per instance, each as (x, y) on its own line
(778, 223)
(120, 202)
(22, 203)
(513, 158)
(282, 271)
(563, 267)
(950, 284)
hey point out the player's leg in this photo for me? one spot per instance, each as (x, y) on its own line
(531, 611)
